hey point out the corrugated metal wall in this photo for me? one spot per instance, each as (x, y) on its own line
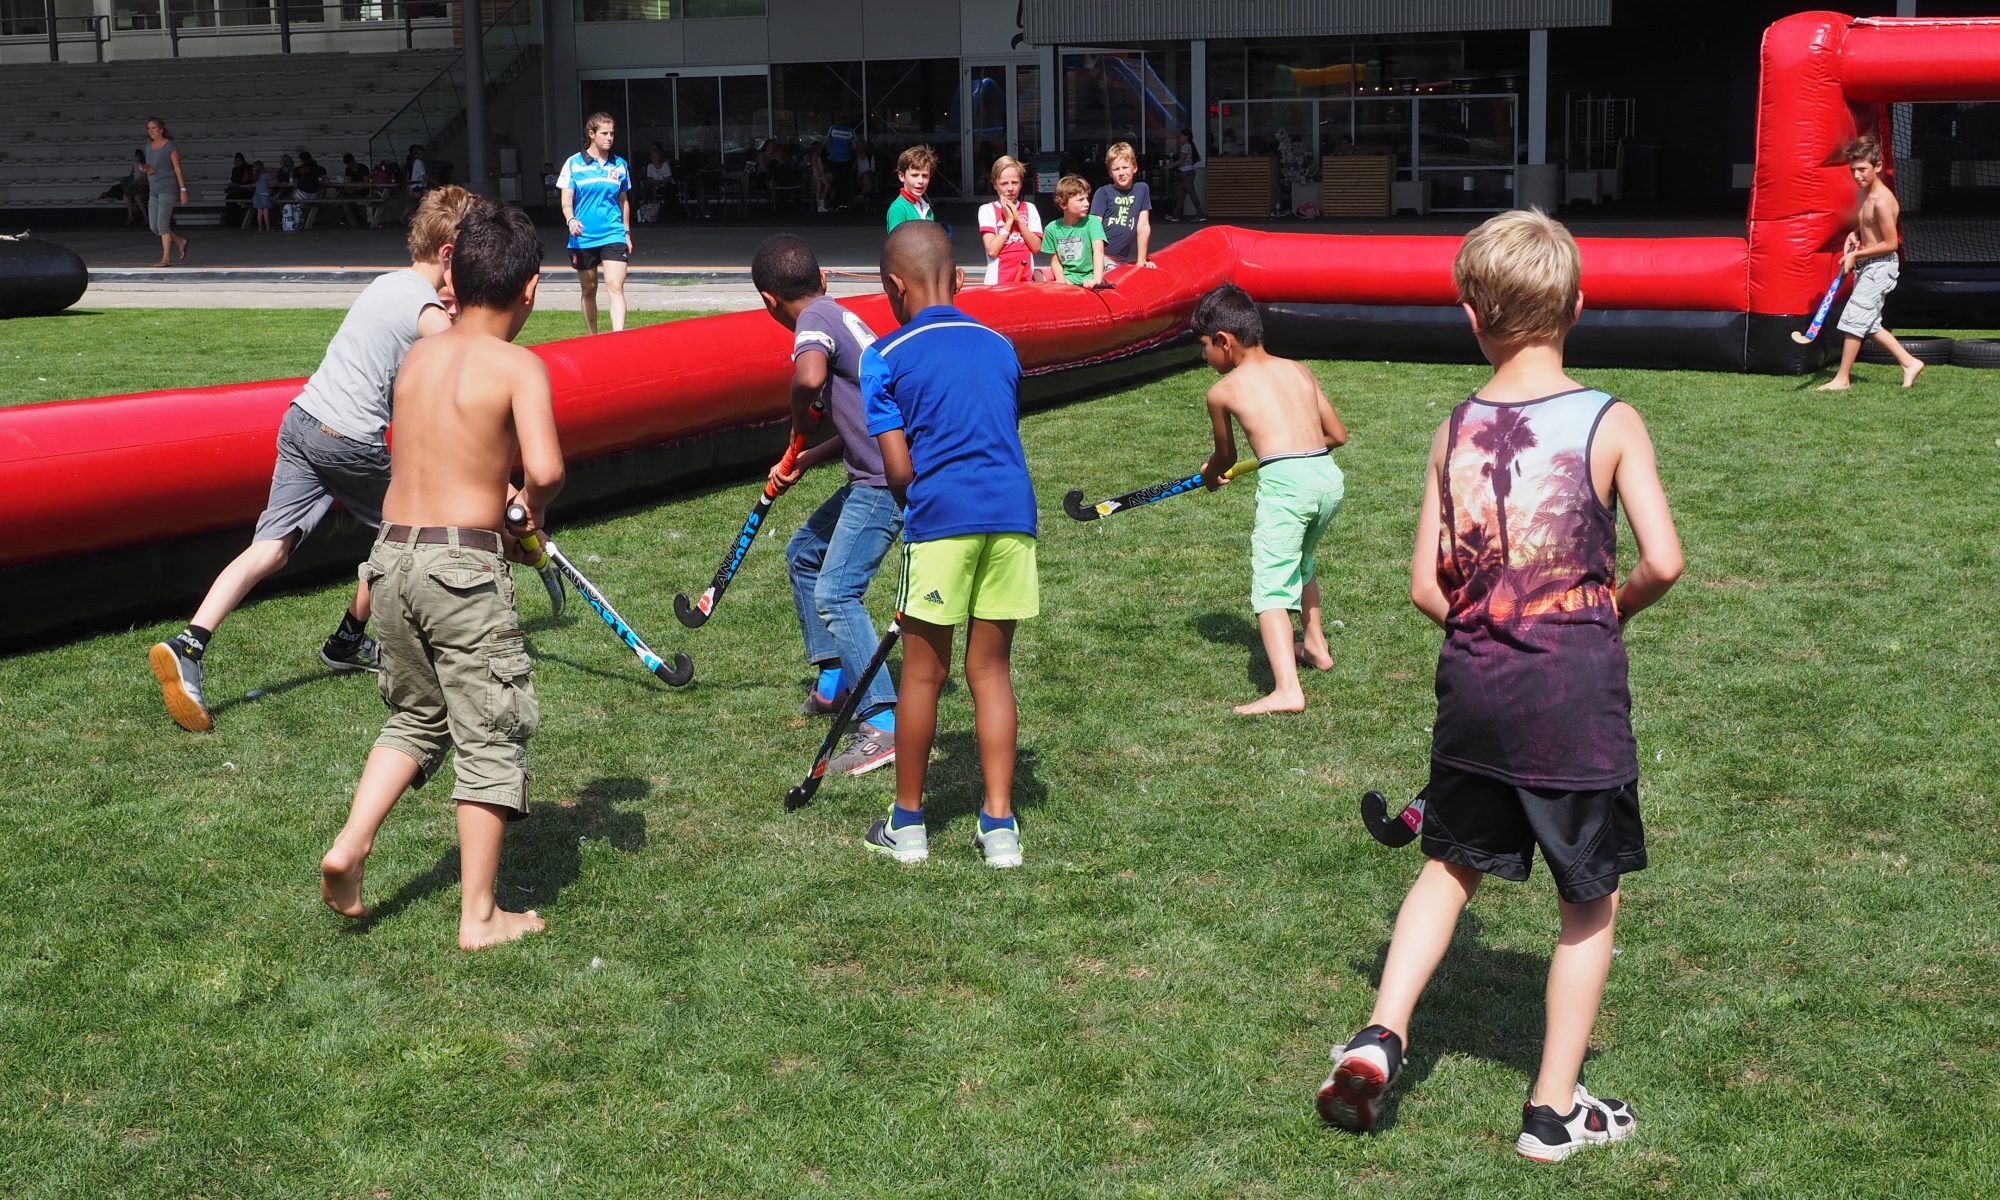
(1087, 22)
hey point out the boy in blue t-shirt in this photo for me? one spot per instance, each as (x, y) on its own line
(943, 403)
(834, 556)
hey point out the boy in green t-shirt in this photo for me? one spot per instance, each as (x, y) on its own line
(1076, 241)
(913, 170)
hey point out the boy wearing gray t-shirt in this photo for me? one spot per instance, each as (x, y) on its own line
(835, 554)
(330, 447)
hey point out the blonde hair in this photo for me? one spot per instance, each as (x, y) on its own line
(435, 223)
(1006, 162)
(1521, 273)
(1121, 150)
(919, 157)
(1069, 187)
(597, 121)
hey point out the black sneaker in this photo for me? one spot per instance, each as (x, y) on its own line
(179, 674)
(355, 654)
(1362, 1070)
(1546, 1137)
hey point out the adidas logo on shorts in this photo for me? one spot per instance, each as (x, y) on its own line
(933, 597)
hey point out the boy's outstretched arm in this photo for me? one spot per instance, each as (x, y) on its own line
(1636, 482)
(896, 468)
(1425, 590)
(535, 428)
(1223, 456)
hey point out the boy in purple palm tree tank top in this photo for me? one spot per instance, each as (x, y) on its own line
(1516, 559)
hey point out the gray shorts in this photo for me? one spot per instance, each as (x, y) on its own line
(160, 210)
(317, 466)
(1872, 285)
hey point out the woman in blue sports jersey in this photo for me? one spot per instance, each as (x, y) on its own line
(596, 190)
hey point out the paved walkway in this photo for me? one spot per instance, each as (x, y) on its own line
(688, 265)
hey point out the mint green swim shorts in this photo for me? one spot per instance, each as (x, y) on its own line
(1296, 500)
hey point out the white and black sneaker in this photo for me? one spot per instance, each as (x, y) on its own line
(1362, 1070)
(1546, 1137)
(179, 672)
(357, 653)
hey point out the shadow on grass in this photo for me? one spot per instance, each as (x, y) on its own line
(544, 853)
(1234, 629)
(279, 688)
(955, 787)
(1481, 1002)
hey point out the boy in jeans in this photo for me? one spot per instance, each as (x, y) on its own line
(1292, 430)
(942, 397)
(1533, 743)
(455, 669)
(1125, 207)
(835, 554)
(913, 170)
(330, 447)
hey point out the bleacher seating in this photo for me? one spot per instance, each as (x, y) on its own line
(67, 131)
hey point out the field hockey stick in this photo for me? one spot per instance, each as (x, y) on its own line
(1399, 830)
(1073, 503)
(551, 578)
(694, 614)
(682, 668)
(802, 795)
(1819, 317)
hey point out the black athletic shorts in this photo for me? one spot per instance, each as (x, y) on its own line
(1587, 838)
(587, 260)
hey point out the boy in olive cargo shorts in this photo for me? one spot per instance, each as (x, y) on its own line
(455, 668)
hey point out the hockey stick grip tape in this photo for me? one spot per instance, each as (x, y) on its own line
(532, 544)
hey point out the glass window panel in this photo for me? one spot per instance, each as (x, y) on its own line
(599, 95)
(1382, 126)
(1028, 108)
(651, 120)
(746, 117)
(625, 10)
(988, 118)
(1465, 132)
(699, 107)
(1167, 71)
(722, 8)
(1103, 93)
(911, 101)
(807, 98)
(1480, 188)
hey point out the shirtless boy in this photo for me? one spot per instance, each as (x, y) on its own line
(1873, 246)
(455, 667)
(1292, 430)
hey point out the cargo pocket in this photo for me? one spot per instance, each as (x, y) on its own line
(514, 713)
(462, 579)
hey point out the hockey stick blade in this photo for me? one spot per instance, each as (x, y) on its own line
(1079, 511)
(800, 796)
(693, 615)
(678, 674)
(1399, 830)
(1801, 338)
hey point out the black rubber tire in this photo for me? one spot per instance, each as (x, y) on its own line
(1931, 351)
(1976, 352)
(39, 278)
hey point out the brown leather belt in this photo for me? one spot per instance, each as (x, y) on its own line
(331, 432)
(442, 535)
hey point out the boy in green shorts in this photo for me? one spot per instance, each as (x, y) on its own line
(943, 404)
(1075, 241)
(1292, 430)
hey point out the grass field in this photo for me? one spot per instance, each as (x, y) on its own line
(732, 1000)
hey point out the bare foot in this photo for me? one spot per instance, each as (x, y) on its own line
(1834, 385)
(340, 882)
(1276, 702)
(1911, 372)
(500, 927)
(183, 245)
(163, 263)
(1318, 658)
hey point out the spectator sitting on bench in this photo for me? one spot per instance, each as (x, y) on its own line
(308, 184)
(354, 215)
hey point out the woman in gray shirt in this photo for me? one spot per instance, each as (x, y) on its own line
(164, 158)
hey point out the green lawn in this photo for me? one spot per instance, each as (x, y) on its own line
(733, 1000)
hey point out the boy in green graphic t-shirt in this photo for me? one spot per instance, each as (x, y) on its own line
(1076, 241)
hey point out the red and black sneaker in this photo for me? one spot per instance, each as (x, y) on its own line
(1547, 1137)
(1362, 1070)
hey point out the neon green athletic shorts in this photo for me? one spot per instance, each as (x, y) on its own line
(1296, 500)
(986, 575)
